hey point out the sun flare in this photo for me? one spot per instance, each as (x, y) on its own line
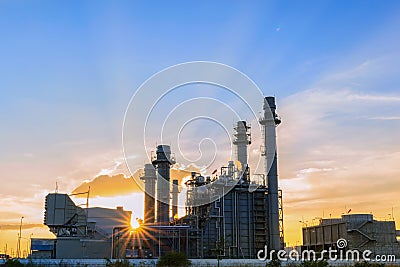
(134, 223)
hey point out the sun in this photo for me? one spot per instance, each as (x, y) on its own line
(135, 223)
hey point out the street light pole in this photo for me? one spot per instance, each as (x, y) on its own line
(30, 243)
(19, 239)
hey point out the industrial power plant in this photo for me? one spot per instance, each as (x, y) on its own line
(228, 215)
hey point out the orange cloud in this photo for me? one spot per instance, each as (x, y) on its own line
(119, 184)
(108, 186)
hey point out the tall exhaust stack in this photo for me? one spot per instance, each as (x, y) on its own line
(149, 180)
(270, 121)
(175, 192)
(242, 140)
(163, 164)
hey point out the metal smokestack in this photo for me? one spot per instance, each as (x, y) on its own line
(242, 139)
(163, 163)
(175, 192)
(270, 121)
(149, 180)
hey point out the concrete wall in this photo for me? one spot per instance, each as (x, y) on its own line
(70, 248)
(324, 234)
(106, 219)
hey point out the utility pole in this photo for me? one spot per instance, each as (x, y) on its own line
(19, 239)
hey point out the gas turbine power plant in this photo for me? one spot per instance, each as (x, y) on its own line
(227, 215)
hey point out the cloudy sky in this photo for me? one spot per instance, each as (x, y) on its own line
(68, 70)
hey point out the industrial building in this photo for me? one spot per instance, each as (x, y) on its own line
(80, 232)
(228, 215)
(360, 231)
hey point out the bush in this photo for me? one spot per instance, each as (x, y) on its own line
(292, 264)
(321, 263)
(174, 259)
(274, 263)
(368, 264)
(117, 263)
(13, 263)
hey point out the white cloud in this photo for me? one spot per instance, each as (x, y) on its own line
(338, 145)
(385, 118)
(369, 97)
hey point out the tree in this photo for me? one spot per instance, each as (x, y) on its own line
(174, 259)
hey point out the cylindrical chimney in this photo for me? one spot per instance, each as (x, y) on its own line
(270, 121)
(175, 192)
(163, 163)
(242, 140)
(149, 180)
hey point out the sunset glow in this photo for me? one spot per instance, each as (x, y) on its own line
(69, 69)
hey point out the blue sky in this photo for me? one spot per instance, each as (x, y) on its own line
(87, 57)
(69, 68)
(86, 47)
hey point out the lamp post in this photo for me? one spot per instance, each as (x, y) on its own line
(30, 243)
(24, 253)
(19, 239)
